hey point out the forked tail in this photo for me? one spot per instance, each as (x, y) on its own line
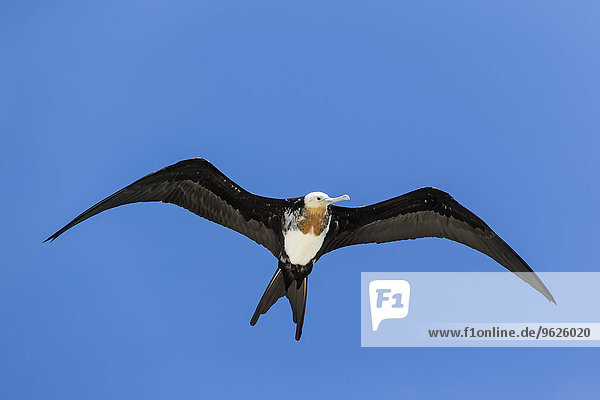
(282, 284)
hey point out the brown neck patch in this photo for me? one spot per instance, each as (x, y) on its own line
(313, 219)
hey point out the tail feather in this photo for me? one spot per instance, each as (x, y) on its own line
(294, 287)
(274, 291)
(296, 294)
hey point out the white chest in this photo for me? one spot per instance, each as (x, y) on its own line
(302, 248)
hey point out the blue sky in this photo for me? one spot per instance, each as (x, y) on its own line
(495, 102)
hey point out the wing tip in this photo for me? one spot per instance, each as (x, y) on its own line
(550, 298)
(533, 280)
(55, 235)
(50, 238)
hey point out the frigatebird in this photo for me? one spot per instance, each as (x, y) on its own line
(298, 231)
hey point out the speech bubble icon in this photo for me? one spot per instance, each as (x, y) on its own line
(389, 299)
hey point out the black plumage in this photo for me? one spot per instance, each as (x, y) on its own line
(425, 212)
(199, 187)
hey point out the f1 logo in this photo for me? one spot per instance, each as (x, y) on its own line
(389, 299)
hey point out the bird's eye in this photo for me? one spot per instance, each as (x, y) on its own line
(318, 198)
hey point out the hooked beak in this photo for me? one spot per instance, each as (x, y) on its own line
(336, 199)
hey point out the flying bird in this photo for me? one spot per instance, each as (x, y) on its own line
(299, 231)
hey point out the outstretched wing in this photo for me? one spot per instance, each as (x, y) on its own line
(199, 187)
(425, 212)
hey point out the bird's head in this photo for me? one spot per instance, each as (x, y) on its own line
(320, 199)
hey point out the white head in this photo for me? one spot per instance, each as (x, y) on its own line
(320, 199)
